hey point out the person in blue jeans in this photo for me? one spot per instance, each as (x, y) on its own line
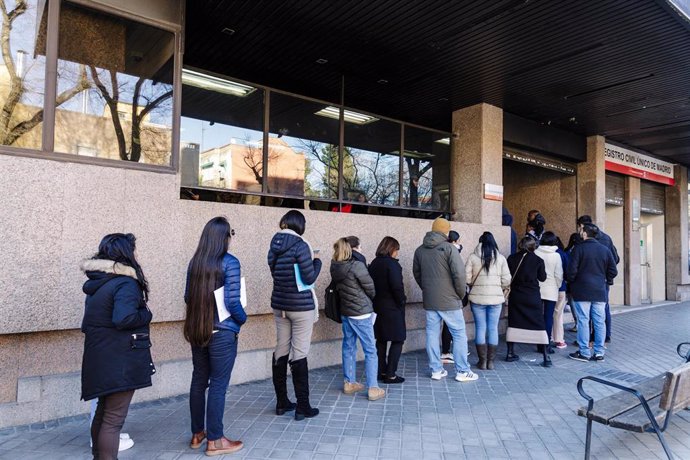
(592, 267)
(356, 289)
(487, 275)
(213, 338)
(439, 271)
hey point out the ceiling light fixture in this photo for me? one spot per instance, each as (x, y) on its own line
(444, 141)
(322, 61)
(382, 81)
(228, 31)
(211, 83)
(349, 116)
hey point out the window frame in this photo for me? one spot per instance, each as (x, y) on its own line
(46, 152)
(268, 91)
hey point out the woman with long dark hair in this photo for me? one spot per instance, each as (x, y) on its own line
(389, 305)
(213, 338)
(525, 308)
(487, 275)
(294, 267)
(117, 357)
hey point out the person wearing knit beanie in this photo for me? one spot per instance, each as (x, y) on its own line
(440, 225)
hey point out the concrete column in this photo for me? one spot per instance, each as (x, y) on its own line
(476, 159)
(591, 182)
(676, 215)
(631, 245)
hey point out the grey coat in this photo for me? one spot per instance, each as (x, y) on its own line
(355, 286)
(439, 270)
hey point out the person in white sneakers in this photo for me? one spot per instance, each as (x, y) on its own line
(125, 441)
(439, 270)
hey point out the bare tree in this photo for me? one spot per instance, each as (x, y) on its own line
(415, 176)
(10, 131)
(254, 158)
(141, 107)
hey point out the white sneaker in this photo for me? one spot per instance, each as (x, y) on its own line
(468, 376)
(125, 442)
(447, 358)
(439, 375)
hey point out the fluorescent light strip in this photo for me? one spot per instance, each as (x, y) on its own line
(349, 116)
(211, 83)
(444, 141)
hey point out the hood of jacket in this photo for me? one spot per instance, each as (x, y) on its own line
(340, 269)
(100, 271)
(433, 239)
(283, 241)
(478, 251)
(547, 249)
(506, 218)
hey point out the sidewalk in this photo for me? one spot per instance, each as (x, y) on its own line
(520, 411)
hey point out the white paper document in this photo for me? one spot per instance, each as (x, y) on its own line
(219, 294)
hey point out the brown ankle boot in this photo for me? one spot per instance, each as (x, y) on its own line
(197, 439)
(223, 446)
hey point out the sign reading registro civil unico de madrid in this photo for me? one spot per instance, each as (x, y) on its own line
(630, 163)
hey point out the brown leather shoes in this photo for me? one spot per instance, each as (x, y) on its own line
(197, 439)
(223, 446)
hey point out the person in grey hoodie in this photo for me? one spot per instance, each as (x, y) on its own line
(439, 271)
(356, 289)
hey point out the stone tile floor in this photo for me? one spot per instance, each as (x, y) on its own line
(520, 411)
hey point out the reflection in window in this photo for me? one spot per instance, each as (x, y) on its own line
(371, 162)
(426, 169)
(22, 73)
(221, 134)
(118, 76)
(302, 149)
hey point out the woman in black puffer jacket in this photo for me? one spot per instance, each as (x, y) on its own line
(356, 289)
(117, 356)
(294, 311)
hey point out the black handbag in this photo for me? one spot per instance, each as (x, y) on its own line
(468, 289)
(332, 307)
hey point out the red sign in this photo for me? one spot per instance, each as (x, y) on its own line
(630, 163)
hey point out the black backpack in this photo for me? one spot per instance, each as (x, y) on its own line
(332, 308)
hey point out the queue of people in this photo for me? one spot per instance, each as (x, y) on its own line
(535, 282)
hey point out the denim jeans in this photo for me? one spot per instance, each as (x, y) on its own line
(549, 308)
(362, 329)
(597, 311)
(486, 323)
(456, 325)
(212, 369)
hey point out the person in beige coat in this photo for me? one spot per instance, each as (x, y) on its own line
(554, 278)
(487, 275)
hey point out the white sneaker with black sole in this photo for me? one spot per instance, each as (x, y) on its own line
(447, 358)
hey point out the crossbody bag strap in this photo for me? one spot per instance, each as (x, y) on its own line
(474, 279)
(518, 268)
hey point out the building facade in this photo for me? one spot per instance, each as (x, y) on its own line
(116, 118)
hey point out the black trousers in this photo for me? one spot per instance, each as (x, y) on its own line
(388, 362)
(107, 423)
(446, 339)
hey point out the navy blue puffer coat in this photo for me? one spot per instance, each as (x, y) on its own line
(288, 249)
(117, 354)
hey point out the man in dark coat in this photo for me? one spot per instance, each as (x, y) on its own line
(606, 240)
(507, 221)
(591, 270)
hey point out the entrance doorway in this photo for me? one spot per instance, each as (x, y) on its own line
(645, 265)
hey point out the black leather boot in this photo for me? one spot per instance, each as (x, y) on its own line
(481, 352)
(283, 404)
(300, 379)
(547, 359)
(490, 356)
(511, 356)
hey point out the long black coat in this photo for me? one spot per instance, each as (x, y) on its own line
(389, 302)
(115, 309)
(525, 308)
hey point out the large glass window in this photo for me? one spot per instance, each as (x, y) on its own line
(221, 133)
(22, 74)
(115, 91)
(426, 169)
(371, 160)
(302, 149)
